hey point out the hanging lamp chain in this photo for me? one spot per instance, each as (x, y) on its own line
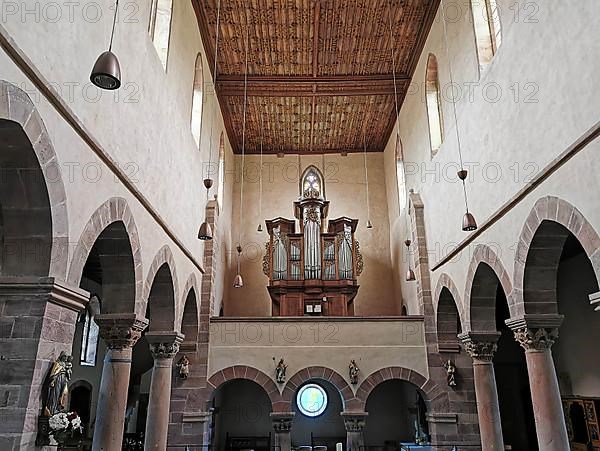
(366, 172)
(244, 129)
(456, 129)
(260, 182)
(112, 34)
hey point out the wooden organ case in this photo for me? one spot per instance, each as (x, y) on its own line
(312, 271)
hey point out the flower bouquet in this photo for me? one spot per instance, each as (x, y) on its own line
(63, 425)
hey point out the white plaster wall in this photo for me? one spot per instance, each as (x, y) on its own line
(345, 189)
(145, 126)
(504, 142)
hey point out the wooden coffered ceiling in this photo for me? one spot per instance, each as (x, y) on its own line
(320, 76)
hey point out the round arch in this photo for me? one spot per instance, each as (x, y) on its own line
(449, 314)
(545, 230)
(319, 373)
(485, 268)
(162, 291)
(251, 374)
(19, 117)
(114, 213)
(435, 398)
(189, 318)
(189, 324)
(445, 281)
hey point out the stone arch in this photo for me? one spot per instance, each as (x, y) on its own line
(162, 286)
(114, 211)
(251, 374)
(449, 314)
(485, 268)
(19, 115)
(323, 373)
(435, 398)
(545, 231)
(189, 322)
(445, 281)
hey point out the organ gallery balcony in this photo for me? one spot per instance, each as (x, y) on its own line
(374, 342)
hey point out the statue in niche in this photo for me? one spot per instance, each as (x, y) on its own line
(450, 373)
(353, 371)
(280, 370)
(57, 384)
(184, 367)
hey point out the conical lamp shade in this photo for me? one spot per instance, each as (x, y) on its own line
(106, 73)
(469, 224)
(259, 229)
(205, 232)
(238, 282)
(410, 275)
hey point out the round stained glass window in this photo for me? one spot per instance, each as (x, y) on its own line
(311, 400)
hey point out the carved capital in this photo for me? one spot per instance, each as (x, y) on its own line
(480, 346)
(536, 339)
(536, 332)
(282, 422)
(164, 345)
(121, 330)
(354, 421)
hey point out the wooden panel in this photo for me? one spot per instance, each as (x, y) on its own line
(318, 69)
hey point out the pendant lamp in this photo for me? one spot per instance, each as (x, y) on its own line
(205, 232)
(106, 73)
(238, 282)
(468, 223)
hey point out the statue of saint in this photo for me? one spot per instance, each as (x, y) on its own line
(58, 385)
(450, 373)
(353, 371)
(184, 367)
(280, 371)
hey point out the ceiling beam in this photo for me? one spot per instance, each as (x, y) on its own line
(309, 87)
(301, 79)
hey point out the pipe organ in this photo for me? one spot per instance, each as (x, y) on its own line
(312, 268)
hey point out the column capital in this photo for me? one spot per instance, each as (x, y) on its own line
(354, 421)
(164, 345)
(480, 345)
(282, 421)
(121, 330)
(535, 332)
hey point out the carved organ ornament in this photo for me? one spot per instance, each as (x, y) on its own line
(313, 270)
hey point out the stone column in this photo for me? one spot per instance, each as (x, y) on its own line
(163, 346)
(482, 347)
(536, 334)
(355, 425)
(282, 425)
(120, 331)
